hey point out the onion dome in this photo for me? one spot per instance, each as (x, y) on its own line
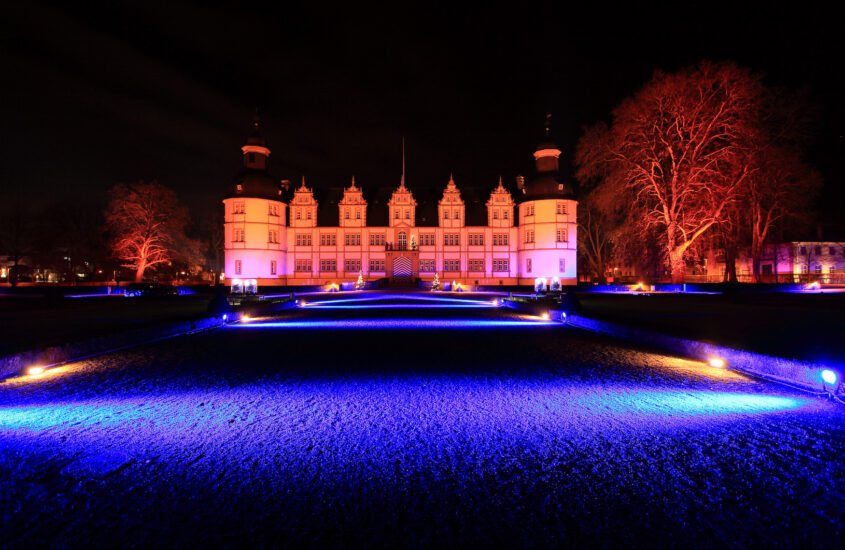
(546, 184)
(254, 180)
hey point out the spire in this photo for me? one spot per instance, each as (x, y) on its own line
(302, 187)
(402, 181)
(451, 180)
(501, 187)
(548, 124)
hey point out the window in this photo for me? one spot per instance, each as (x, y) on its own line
(451, 265)
(495, 214)
(376, 239)
(831, 251)
(803, 250)
(818, 268)
(451, 239)
(377, 265)
(500, 265)
(237, 267)
(302, 266)
(238, 235)
(529, 210)
(298, 214)
(500, 239)
(561, 208)
(251, 158)
(528, 265)
(239, 208)
(529, 236)
(426, 239)
(427, 266)
(407, 214)
(818, 251)
(352, 239)
(505, 214)
(351, 265)
(272, 267)
(561, 235)
(308, 214)
(346, 214)
(357, 213)
(303, 239)
(328, 265)
(457, 214)
(476, 239)
(445, 214)
(328, 239)
(396, 214)
(476, 265)
(273, 237)
(562, 265)
(274, 210)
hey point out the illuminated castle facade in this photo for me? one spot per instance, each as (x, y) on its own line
(276, 240)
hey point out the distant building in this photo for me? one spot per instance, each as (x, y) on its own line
(276, 239)
(795, 261)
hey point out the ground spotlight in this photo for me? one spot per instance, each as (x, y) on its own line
(34, 371)
(716, 363)
(245, 318)
(829, 377)
(545, 316)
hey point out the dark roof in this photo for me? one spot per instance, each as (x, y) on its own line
(546, 186)
(255, 184)
(255, 138)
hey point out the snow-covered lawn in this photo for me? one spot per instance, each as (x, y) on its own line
(484, 435)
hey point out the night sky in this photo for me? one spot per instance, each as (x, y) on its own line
(119, 92)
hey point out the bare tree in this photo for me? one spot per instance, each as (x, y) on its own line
(17, 230)
(147, 226)
(678, 151)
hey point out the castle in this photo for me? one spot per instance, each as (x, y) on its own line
(276, 240)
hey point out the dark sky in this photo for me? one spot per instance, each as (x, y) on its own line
(120, 92)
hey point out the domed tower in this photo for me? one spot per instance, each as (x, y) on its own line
(254, 219)
(547, 221)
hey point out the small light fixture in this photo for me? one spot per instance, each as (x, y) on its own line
(35, 371)
(716, 363)
(245, 318)
(545, 316)
(829, 377)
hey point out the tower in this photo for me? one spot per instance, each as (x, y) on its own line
(254, 218)
(451, 211)
(547, 220)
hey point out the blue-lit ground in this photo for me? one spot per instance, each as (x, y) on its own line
(452, 427)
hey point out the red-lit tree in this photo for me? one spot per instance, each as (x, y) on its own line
(678, 152)
(147, 227)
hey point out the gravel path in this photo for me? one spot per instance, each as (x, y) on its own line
(518, 435)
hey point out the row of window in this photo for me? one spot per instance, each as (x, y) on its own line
(240, 208)
(426, 266)
(817, 250)
(426, 239)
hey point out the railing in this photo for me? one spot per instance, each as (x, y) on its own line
(399, 246)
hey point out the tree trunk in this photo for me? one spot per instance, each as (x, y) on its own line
(139, 272)
(677, 266)
(730, 264)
